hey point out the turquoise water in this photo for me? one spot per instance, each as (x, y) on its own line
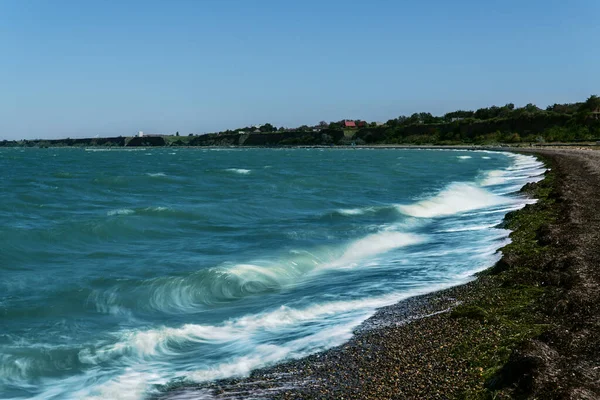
(125, 271)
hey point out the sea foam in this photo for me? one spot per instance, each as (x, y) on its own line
(454, 199)
(376, 244)
(240, 171)
(120, 211)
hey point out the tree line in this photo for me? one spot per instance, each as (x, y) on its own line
(495, 124)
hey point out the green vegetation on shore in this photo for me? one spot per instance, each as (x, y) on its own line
(509, 308)
(485, 126)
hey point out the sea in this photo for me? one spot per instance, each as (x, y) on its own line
(124, 273)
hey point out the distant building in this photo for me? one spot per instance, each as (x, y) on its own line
(349, 124)
(596, 113)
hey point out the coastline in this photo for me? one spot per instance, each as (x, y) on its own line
(482, 339)
(591, 145)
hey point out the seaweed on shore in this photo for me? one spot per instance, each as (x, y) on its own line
(511, 310)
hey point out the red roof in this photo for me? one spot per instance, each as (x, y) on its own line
(349, 124)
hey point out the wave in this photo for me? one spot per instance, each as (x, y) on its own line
(240, 171)
(146, 344)
(455, 199)
(226, 283)
(120, 211)
(142, 348)
(524, 169)
(159, 210)
(156, 174)
(376, 244)
(355, 211)
(463, 157)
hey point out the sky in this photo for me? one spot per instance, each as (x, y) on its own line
(111, 67)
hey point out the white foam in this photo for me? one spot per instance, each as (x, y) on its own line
(148, 344)
(470, 228)
(14, 369)
(120, 211)
(355, 211)
(133, 384)
(240, 171)
(157, 209)
(264, 355)
(524, 169)
(143, 347)
(486, 157)
(464, 157)
(376, 244)
(456, 198)
(156, 174)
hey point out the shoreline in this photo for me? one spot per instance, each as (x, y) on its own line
(447, 344)
(495, 147)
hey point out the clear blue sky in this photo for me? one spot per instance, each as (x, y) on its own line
(107, 67)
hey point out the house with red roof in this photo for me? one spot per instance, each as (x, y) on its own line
(349, 124)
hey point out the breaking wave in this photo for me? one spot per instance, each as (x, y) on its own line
(356, 211)
(120, 211)
(456, 198)
(227, 283)
(240, 171)
(143, 211)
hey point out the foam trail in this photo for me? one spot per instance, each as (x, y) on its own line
(524, 169)
(456, 198)
(143, 347)
(120, 211)
(352, 211)
(470, 228)
(376, 244)
(240, 171)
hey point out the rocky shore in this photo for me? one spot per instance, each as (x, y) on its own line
(529, 327)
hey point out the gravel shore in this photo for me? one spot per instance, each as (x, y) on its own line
(527, 328)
